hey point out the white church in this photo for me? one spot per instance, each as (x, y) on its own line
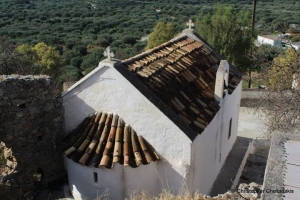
(164, 119)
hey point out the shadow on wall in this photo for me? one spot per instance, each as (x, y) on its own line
(120, 181)
(75, 112)
(169, 179)
(124, 182)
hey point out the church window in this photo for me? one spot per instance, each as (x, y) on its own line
(229, 130)
(95, 177)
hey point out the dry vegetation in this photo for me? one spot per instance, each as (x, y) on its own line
(184, 195)
(166, 194)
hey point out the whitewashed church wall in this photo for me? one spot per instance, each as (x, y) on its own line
(210, 149)
(116, 183)
(108, 90)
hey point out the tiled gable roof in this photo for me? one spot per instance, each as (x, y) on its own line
(103, 139)
(182, 74)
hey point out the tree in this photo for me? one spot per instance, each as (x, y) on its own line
(162, 32)
(129, 39)
(284, 68)
(281, 99)
(228, 31)
(45, 58)
(11, 61)
(90, 61)
(261, 59)
(69, 73)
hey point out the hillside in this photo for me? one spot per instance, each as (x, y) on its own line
(81, 29)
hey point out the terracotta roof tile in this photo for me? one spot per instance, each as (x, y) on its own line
(182, 73)
(104, 139)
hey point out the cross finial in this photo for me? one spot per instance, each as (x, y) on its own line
(109, 54)
(190, 24)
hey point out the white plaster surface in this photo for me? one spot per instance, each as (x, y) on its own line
(182, 163)
(107, 90)
(118, 182)
(210, 149)
(221, 78)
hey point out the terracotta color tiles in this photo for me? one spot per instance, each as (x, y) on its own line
(104, 139)
(182, 73)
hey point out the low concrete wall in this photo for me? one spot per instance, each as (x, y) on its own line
(239, 173)
(252, 93)
(275, 173)
(249, 97)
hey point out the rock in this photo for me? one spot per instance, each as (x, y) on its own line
(47, 81)
(3, 178)
(29, 196)
(37, 177)
(226, 196)
(49, 107)
(243, 186)
(7, 153)
(9, 163)
(34, 110)
(12, 183)
(19, 115)
(253, 185)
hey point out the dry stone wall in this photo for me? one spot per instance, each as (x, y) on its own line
(31, 127)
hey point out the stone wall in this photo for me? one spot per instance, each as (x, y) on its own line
(31, 126)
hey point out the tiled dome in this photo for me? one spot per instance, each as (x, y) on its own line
(103, 139)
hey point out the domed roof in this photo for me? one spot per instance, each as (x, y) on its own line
(103, 139)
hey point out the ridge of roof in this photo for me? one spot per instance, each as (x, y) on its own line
(186, 33)
(103, 139)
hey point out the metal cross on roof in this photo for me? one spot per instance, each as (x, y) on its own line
(190, 24)
(109, 54)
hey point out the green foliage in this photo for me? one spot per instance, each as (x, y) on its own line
(229, 32)
(91, 61)
(11, 61)
(262, 57)
(104, 40)
(129, 39)
(162, 33)
(283, 69)
(46, 59)
(295, 39)
(69, 73)
(73, 29)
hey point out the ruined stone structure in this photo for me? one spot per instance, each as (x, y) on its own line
(31, 125)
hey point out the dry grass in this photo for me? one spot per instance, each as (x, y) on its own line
(164, 195)
(168, 194)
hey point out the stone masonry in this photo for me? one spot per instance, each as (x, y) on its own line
(31, 127)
